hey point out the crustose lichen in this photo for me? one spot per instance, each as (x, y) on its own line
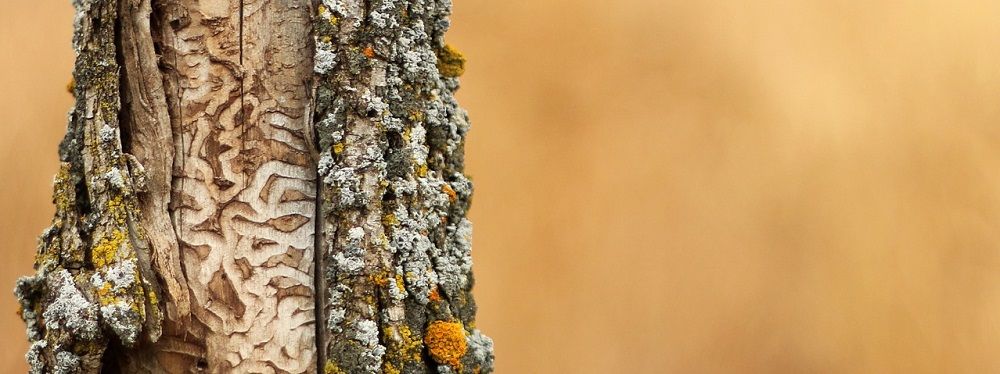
(446, 342)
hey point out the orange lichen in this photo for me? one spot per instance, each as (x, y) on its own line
(451, 192)
(446, 342)
(435, 295)
(369, 52)
(380, 280)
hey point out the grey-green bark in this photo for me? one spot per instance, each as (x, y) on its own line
(93, 280)
(392, 268)
(396, 239)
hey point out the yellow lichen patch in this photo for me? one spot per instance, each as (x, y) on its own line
(446, 342)
(106, 250)
(64, 195)
(104, 294)
(450, 191)
(403, 345)
(153, 298)
(380, 280)
(422, 171)
(388, 368)
(107, 295)
(399, 282)
(451, 63)
(338, 148)
(48, 257)
(117, 208)
(390, 220)
(332, 368)
(138, 302)
(383, 241)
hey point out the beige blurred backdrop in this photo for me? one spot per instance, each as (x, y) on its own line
(673, 186)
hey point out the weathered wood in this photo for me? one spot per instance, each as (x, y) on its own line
(284, 178)
(243, 187)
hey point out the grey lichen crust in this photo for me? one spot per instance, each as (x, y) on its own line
(92, 282)
(395, 250)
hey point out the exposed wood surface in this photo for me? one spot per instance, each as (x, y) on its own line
(243, 192)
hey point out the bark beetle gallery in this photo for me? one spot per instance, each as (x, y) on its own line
(266, 186)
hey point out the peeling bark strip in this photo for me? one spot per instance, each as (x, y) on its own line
(396, 242)
(215, 147)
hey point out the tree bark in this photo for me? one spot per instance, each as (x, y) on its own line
(259, 186)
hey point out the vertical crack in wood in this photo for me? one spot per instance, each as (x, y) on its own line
(319, 259)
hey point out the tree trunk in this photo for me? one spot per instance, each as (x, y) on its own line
(259, 186)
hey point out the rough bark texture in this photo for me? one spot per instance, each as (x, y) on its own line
(93, 281)
(396, 241)
(259, 186)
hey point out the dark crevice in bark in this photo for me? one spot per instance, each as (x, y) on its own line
(319, 283)
(124, 119)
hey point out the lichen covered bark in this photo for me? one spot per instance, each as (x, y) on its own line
(395, 250)
(93, 283)
(283, 178)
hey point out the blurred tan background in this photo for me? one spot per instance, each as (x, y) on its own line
(671, 186)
